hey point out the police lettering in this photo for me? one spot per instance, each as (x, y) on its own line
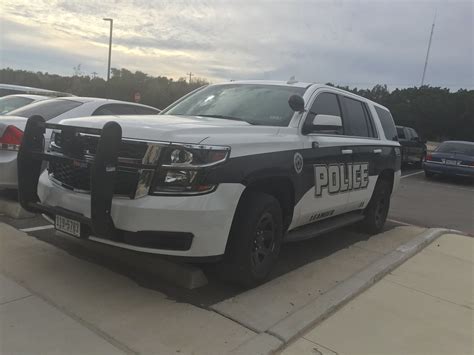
(336, 178)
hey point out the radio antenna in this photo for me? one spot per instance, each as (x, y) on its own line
(428, 51)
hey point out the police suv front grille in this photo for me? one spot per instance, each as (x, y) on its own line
(128, 149)
(78, 178)
(75, 175)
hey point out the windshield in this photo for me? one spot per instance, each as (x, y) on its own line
(256, 104)
(48, 109)
(460, 148)
(11, 103)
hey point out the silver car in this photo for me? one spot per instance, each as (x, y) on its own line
(53, 110)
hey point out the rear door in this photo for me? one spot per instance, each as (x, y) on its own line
(367, 151)
(417, 146)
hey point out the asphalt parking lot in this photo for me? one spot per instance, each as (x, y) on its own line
(434, 202)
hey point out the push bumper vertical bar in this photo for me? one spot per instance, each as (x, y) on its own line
(102, 172)
(102, 179)
(29, 166)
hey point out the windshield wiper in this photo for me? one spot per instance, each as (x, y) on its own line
(225, 117)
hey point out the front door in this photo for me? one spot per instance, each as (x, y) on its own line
(327, 157)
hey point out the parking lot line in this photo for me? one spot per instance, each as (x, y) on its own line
(400, 222)
(418, 172)
(39, 228)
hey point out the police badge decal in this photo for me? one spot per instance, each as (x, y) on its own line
(298, 163)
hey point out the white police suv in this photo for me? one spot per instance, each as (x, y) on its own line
(230, 171)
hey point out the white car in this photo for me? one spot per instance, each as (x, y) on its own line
(53, 110)
(229, 171)
(13, 102)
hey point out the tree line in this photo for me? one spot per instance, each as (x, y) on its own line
(435, 112)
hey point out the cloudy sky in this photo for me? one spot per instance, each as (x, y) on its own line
(355, 43)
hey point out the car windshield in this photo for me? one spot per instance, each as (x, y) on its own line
(10, 103)
(48, 109)
(460, 148)
(256, 104)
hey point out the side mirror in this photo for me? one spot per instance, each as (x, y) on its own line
(325, 124)
(329, 121)
(296, 103)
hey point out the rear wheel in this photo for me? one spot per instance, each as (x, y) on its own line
(377, 209)
(255, 240)
(428, 174)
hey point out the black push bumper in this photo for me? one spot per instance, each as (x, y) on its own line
(102, 172)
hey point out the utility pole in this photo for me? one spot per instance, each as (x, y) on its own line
(190, 76)
(428, 51)
(110, 45)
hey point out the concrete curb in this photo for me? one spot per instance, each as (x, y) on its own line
(14, 210)
(178, 274)
(322, 307)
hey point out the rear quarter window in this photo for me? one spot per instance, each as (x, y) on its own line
(47, 109)
(387, 123)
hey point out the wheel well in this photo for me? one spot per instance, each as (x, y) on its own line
(387, 174)
(280, 188)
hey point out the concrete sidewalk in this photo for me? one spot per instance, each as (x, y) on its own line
(54, 303)
(423, 307)
(24, 316)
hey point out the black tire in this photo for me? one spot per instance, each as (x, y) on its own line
(377, 210)
(428, 174)
(254, 240)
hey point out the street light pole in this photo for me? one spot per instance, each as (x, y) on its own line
(110, 45)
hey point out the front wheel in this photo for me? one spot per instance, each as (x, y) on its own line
(255, 239)
(377, 209)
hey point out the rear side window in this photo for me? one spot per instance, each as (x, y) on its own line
(48, 109)
(115, 109)
(124, 109)
(413, 133)
(401, 133)
(140, 110)
(356, 119)
(387, 123)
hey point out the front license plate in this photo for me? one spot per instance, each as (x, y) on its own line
(68, 226)
(451, 162)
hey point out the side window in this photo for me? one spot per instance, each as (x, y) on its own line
(356, 120)
(140, 110)
(414, 135)
(401, 133)
(325, 115)
(114, 109)
(387, 123)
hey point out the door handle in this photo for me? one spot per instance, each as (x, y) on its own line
(377, 151)
(346, 151)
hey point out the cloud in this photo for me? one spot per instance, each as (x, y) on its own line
(348, 42)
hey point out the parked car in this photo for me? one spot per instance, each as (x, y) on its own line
(230, 171)
(13, 124)
(413, 147)
(453, 158)
(9, 89)
(12, 102)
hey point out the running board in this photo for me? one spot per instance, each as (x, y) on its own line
(324, 226)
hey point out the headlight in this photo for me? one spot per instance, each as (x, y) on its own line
(180, 170)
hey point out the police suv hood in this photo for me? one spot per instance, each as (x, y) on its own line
(169, 128)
